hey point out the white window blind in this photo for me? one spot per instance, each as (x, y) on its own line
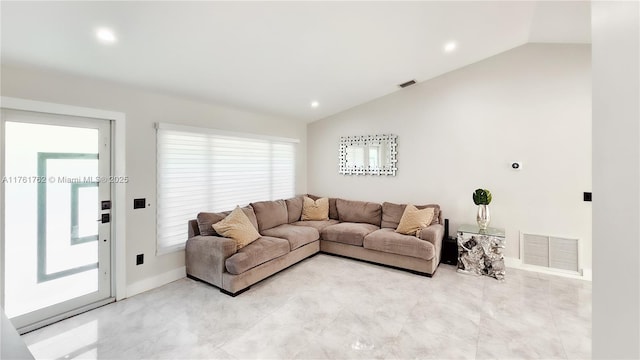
(207, 170)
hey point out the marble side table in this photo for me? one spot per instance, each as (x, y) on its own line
(480, 252)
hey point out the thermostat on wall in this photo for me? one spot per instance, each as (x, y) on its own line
(516, 165)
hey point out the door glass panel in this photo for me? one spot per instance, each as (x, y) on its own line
(65, 248)
(51, 203)
(86, 226)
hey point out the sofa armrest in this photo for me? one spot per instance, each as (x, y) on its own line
(206, 255)
(193, 228)
(433, 234)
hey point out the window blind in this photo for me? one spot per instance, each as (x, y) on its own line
(207, 170)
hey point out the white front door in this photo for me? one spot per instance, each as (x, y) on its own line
(57, 228)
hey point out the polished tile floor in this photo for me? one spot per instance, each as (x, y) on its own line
(335, 308)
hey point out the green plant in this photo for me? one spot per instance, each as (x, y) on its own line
(482, 197)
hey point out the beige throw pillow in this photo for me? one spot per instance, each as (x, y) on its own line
(414, 219)
(315, 209)
(238, 227)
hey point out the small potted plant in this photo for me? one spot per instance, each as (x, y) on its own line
(482, 198)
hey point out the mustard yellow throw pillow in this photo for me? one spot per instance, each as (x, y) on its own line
(315, 209)
(238, 227)
(414, 219)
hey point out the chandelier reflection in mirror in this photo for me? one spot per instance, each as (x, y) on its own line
(368, 155)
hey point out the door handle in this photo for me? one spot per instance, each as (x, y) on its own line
(105, 218)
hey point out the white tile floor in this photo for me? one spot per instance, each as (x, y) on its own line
(330, 307)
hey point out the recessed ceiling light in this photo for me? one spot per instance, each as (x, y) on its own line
(106, 36)
(450, 46)
(315, 104)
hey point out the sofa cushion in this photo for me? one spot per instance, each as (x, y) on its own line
(206, 219)
(297, 236)
(270, 213)
(347, 233)
(318, 225)
(359, 212)
(389, 241)
(413, 219)
(392, 213)
(294, 208)
(237, 226)
(258, 252)
(333, 210)
(316, 210)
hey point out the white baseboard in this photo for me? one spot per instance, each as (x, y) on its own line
(517, 264)
(512, 263)
(156, 281)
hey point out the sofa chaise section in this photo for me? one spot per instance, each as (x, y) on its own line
(359, 235)
(208, 258)
(217, 261)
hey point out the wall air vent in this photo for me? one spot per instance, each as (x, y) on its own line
(551, 252)
(408, 83)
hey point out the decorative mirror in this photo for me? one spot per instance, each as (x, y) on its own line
(369, 154)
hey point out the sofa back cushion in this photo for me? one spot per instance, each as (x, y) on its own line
(207, 219)
(294, 209)
(333, 210)
(270, 213)
(359, 212)
(392, 213)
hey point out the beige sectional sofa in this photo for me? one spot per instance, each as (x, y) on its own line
(355, 229)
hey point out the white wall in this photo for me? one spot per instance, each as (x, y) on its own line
(144, 108)
(616, 179)
(460, 131)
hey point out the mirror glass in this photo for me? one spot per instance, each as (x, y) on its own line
(370, 154)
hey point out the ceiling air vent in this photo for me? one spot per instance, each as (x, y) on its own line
(408, 83)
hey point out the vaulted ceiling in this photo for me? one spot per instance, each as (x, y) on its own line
(278, 57)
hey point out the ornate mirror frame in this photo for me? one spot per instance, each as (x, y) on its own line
(369, 155)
